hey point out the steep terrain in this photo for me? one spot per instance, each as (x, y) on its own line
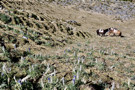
(51, 46)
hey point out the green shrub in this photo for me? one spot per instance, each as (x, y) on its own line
(5, 18)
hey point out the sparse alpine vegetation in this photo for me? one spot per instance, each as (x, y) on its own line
(27, 40)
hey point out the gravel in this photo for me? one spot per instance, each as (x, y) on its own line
(121, 10)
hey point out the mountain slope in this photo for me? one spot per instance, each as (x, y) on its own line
(50, 46)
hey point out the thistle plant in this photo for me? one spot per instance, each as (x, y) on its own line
(25, 37)
(23, 62)
(79, 60)
(3, 49)
(49, 80)
(63, 81)
(80, 68)
(42, 83)
(113, 86)
(33, 71)
(77, 76)
(18, 84)
(74, 79)
(75, 54)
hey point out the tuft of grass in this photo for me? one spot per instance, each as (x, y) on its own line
(5, 18)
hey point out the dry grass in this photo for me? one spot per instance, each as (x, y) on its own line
(107, 59)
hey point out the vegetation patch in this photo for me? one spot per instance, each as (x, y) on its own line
(5, 18)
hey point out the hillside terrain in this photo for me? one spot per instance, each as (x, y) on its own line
(49, 45)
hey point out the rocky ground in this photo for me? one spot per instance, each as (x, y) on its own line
(55, 46)
(121, 10)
